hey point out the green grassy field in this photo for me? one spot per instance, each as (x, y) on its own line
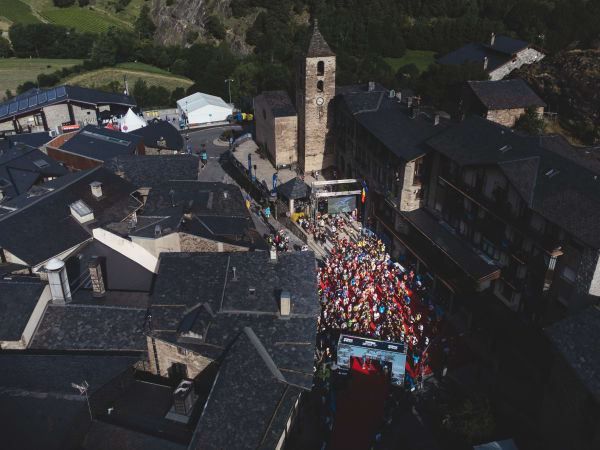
(15, 71)
(102, 77)
(141, 67)
(17, 11)
(82, 19)
(420, 58)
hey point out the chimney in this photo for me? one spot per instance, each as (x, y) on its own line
(183, 398)
(234, 275)
(492, 39)
(436, 119)
(81, 211)
(157, 231)
(371, 86)
(95, 268)
(285, 303)
(273, 254)
(1, 194)
(485, 62)
(58, 281)
(96, 189)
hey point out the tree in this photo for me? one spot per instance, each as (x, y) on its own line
(531, 122)
(5, 50)
(215, 27)
(407, 70)
(47, 80)
(177, 94)
(104, 52)
(140, 92)
(144, 25)
(8, 94)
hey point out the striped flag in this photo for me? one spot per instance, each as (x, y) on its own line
(364, 191)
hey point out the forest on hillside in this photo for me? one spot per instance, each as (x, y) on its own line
(361, 33)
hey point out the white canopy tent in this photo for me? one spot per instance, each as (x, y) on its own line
(131, 121)
(202, 108)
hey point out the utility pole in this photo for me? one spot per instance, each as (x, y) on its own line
(229, 81)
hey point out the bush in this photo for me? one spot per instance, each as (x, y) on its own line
(83, 3)
(63, 3)
(25, 87)
(47, 80)
(5, 50)
(408, 70)
(192, 36)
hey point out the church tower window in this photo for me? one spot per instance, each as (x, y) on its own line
(320, 68)
(320, 86)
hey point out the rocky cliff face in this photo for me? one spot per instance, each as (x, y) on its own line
(569, 82)
(174, 23)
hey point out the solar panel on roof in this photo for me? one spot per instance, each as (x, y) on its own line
(61, 91)
(33, 100)
(23, 104)
(51, 95)
(42, 97)
(3, 110)
(13, 108)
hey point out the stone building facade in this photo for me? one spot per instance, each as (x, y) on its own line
(315, 91)
(277, 127)
(508, 117)
(529, 55)
(163, 355)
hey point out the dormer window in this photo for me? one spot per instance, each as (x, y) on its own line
(320, 68)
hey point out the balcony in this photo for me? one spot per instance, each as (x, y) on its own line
(500, 209)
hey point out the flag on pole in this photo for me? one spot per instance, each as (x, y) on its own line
(364, 191)
(248, 202)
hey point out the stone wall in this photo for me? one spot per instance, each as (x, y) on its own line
(527, 56)
(265, 126)
(409, 197)
(286, 140)
(508, 117)
(56, 115)
(85, 115)
(169, 354)
(315, 150)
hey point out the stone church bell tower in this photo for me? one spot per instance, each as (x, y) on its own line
(315, 90)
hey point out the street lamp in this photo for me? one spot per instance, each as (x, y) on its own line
(229, 81)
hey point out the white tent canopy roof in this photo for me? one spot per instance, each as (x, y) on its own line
(199, 100)
(131, 121)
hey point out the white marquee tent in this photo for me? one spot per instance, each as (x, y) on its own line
(131, 121)
(202, 108)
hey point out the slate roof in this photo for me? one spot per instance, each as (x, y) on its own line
(503, 50)
(35, 99)
(101, 143)
(181, 290)
(317, 46)
(161, 130)
(44, 228)
(32, 139)
(154, 170)
(21, 168)
(211, 210)
(106, 436)
(18, 298)
(569, 198)
(389, 122)
(91, 327)
(249, 405)
(576, 338)
(505, 94)
(36, 394)
(279, 102)
(293, 189)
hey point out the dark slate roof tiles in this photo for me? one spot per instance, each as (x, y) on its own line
(505, 94)
(294, 189)
(161, 130)
(18, 299)
(154, 170)
(280, 103)
(317, 46)
(101, 143)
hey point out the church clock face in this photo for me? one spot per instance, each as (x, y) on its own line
(320, 101)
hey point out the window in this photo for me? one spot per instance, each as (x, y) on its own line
(418, 171)
(320, 86)
(320, 68)
(568, 274)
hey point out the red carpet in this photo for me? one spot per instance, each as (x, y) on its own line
(359, 410)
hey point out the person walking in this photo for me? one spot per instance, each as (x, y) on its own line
(267, 212)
